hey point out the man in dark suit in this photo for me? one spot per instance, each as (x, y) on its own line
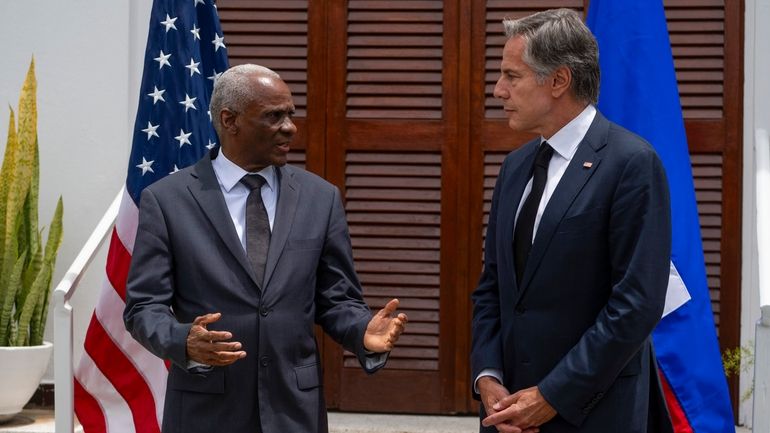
(577, 251)
(235, 259)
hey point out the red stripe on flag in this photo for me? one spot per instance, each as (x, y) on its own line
(117, 368)
(88, 411)
(678, 417)
(118, 262)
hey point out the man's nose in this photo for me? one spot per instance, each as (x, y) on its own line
(499, 91)
(288, 127)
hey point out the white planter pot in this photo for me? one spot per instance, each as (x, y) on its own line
(21, 369)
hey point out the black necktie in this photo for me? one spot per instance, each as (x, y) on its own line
(522, 234)
(257, 226)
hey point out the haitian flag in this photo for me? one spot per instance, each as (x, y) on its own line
(639, 91)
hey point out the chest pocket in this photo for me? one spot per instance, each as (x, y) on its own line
(590, 220)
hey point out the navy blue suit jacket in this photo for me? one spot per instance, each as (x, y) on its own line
(593, 289)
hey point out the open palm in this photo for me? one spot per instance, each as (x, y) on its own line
(383, 330)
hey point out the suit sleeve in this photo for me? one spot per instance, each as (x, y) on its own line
(639, 237)
(150, 288)
(340, 307)
(486, 346)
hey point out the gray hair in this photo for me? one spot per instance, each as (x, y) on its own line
(234, 91)
(555, 38)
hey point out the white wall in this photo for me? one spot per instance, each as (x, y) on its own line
(88, 63)
(756, 115)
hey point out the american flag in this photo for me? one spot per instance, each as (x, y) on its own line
(119, 385)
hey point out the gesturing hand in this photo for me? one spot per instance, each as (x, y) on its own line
(211, 347)
(383, 330)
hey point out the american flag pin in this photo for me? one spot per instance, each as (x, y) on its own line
(588, 164)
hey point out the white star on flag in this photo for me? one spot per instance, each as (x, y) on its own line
(196, 31)
(163, 59)
(157, 95)
(193, 67)
(169, 23)
(188, 102)
(215, 76)
(199, 2)
(146, 166)
(211, 145)
(175, 170)
(151, 130)
(183, 138)
(219, 41)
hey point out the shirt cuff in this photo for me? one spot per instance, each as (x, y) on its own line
(493, 372)
(197, 367)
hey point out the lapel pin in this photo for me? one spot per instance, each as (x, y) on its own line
(588, 164)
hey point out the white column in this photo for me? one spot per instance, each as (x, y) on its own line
(756, 115)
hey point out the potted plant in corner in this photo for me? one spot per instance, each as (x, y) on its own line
(26, 266)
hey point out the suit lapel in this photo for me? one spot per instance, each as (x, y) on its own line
(508, 202)
(288, 197)
(208, 194)
(572, 182)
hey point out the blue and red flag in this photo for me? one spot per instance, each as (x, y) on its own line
(639, 91)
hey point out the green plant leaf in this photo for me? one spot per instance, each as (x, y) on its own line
(18, 177)
(30, 231)
(18, 167)
(27, 129)
(40, 285)
(31, 269)
(6, 313)
(55, 235)
(9, 166)
(37, 325)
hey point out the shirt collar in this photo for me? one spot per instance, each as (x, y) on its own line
(230, 174)
(567, 139)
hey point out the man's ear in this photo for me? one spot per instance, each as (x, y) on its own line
(227, 120)
(562, 81)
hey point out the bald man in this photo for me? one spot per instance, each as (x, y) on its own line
(236, 258)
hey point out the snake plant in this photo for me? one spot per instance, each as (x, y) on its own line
(26, 267)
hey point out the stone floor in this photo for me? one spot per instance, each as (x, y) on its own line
(41, 421)
(32, 421)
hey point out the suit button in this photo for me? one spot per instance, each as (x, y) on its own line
(263, 311)
(264, 361)
(519, 310)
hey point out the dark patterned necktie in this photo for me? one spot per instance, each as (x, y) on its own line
(257, 226)
(522, 234)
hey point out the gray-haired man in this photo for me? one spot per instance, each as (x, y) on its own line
(577, 251)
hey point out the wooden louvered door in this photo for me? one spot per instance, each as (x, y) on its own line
(705, 38)
(274, 33)
(390, 140)
(394, 105)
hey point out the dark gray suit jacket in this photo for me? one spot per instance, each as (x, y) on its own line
(188, 261)
(593, 289)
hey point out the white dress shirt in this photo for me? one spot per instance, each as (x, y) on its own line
(564, 143)
(229, 177)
